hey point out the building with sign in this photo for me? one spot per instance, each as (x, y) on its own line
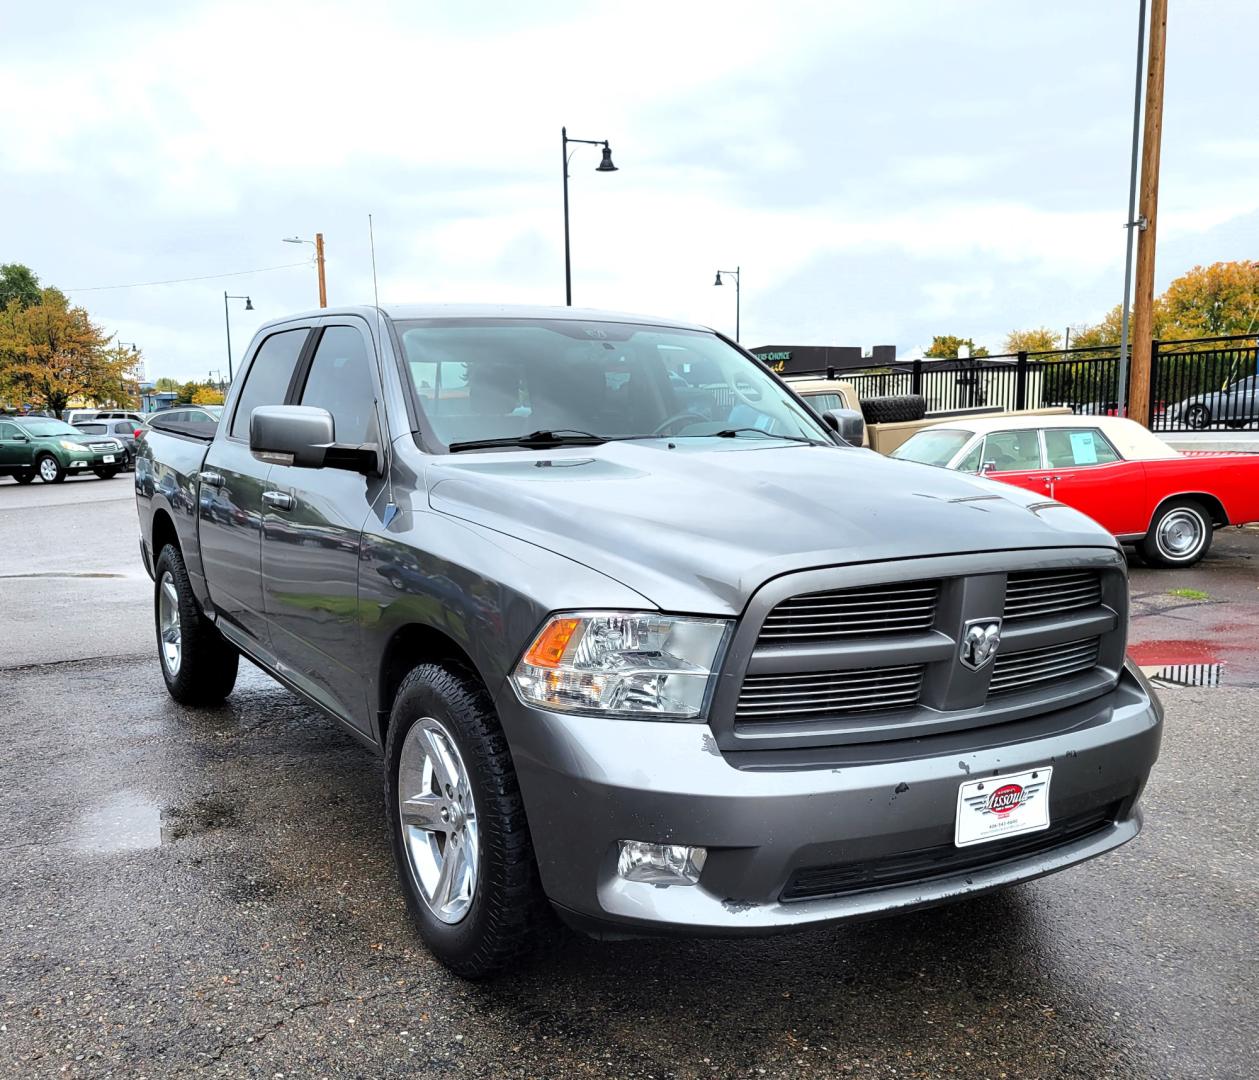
(791, 359)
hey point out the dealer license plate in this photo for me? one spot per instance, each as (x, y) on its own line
(108, 459)
(1001, 806)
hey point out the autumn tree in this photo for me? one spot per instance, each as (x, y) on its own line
(1041, 339)
(946, 347)
(207, 395)
(1211, 301)
(52, 353)
(18, 282)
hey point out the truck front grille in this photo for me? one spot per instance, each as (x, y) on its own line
(944, 860)
(865, 654)
(842, 613)
(1020, 670)
(1038, 593)
(829, 693)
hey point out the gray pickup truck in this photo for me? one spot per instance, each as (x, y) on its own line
(643, 641)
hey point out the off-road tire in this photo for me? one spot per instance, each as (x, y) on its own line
(509, 917)
(1154, 547)
(53, 477)
(209, 662)
(894, 408)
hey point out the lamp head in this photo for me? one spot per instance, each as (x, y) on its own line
(606, 164)
(718, 281)
(249, 304)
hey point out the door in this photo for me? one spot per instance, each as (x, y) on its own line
(1014, 458)
(232, 483)
(1087, 473)
(16, 449)
(312, 532)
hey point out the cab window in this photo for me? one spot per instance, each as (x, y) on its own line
(1069, 447)
(340, 380)
(820, 403)
(1012, 451)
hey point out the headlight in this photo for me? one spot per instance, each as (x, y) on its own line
(623, 663)
(78, 448)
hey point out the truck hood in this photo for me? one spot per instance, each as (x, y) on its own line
(700, 525)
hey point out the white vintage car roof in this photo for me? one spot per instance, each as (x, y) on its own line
(1134, 442)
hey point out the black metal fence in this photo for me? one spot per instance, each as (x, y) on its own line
(1198, 384)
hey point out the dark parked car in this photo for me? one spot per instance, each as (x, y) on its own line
(1235, 405)
(652, 663)
(125, 431)
(32, 446)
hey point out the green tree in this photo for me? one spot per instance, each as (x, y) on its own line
(946, 346)
(18, 282)
(1041, 339)
(51, 353)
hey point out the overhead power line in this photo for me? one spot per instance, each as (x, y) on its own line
(180, 281)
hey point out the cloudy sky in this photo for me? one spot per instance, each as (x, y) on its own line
(882, 171)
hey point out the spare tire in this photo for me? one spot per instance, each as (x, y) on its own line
(894, 409)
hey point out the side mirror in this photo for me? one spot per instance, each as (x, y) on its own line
(848, 424)
(291, 435)
(306, 437)
(988, 466)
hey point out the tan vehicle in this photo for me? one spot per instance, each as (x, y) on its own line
(884, 430)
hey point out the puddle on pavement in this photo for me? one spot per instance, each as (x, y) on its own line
(1186, 675)
(130, 822)
(127, 822)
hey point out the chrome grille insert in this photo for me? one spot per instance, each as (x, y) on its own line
(1036, 593)
(846, 613)
(1019, 670)
(814, 695)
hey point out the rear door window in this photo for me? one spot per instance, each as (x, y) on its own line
(1070, 447)
(92, 429)
(269, 376)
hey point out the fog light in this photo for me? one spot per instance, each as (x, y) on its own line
(660, 864)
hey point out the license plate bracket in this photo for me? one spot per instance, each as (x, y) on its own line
(996, 807)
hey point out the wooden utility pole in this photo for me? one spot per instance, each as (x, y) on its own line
(1151, 143)
(323, 288)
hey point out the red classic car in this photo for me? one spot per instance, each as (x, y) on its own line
(1165, 501)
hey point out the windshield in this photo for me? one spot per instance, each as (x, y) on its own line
(934, 447)
(478, 379)
(38, 425)
(214, 410)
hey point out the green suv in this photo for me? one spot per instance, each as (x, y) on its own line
(33, 446)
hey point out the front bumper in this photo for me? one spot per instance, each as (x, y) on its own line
(589, 782)
(80, 462)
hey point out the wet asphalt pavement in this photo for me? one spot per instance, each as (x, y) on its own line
(210, 890)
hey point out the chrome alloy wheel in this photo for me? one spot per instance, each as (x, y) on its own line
(438, 817)
(168, 627)
(1181, 534)
(47, 470)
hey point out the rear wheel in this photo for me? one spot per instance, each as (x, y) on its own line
(50, 470)
(198, 663)
(1198, 417)
(106, 474)
(457, 825)
(24, 477)
(1180, 534)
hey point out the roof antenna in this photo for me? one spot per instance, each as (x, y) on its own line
(391, 508)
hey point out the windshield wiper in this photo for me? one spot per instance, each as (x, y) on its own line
(734, 432)
(535, 440)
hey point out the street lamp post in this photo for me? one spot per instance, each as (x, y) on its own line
(605, 165)
(227, 318)
(738, 288)
(317, 244)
